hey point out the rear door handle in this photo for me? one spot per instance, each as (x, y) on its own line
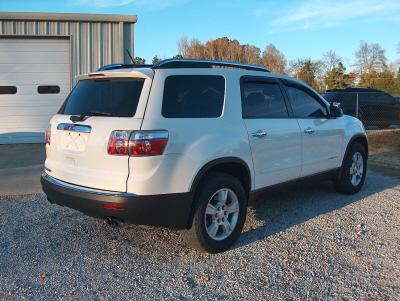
(259, 134)
(309, 130)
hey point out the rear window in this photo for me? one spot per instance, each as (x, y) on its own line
(193, 96)
(118, 97)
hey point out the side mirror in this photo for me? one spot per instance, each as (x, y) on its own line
(335, 111)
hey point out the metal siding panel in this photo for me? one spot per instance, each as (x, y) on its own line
(106, 45)
(119, 45)
(128, 42)
(29, 27)
(94, 45)
(63, 28)
(110, 43)
(83, 48)
(8, 27)
(52, 28)
(75, 59)
(19, 27)
(41, 28)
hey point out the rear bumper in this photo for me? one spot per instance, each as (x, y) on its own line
(166, 210)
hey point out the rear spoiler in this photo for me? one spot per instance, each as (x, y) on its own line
(142, 73)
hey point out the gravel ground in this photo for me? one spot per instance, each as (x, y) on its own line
(299, 244)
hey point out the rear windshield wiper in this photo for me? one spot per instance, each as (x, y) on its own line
(75, 118)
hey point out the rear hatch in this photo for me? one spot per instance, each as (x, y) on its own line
(100, 103)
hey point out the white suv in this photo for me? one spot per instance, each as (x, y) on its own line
(189, 144)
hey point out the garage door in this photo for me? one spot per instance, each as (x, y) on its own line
(34, 81)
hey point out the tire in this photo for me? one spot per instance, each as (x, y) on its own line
(207, 221)
(350, 180)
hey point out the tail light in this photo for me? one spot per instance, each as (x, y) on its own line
(148, 143)
(119, 143)
(47, 135)
(137, 143)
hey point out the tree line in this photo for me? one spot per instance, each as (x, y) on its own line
(371, 68)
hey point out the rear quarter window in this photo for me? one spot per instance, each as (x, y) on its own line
(193, 96)
(118, 97)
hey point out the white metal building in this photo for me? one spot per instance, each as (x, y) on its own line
(40, 55)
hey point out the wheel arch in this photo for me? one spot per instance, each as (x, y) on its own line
(359, 138)
(230, 165)
(227, 165)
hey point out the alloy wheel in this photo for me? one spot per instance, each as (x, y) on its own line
(221, 215)
(356, 169)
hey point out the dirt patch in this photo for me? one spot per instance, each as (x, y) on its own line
(384, 151)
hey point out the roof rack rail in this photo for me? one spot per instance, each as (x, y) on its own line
(122, 66)
(197, 63)
(187, 63)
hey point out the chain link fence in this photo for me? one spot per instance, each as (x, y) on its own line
(376, 109)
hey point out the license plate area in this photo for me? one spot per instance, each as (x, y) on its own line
(74, 137)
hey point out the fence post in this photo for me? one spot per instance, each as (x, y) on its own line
(357, 106)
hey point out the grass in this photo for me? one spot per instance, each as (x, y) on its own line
(384, 151)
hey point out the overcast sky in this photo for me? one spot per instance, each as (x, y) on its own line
(298, 28)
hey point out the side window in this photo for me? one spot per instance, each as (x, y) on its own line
(304, 105)
(263, 100)
(193, 96)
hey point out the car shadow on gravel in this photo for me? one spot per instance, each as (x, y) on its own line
(284, 208)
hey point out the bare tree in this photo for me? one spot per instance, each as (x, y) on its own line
(371, 58)
(273, 59)
(183, 46)
(331, 60)
(191, 49)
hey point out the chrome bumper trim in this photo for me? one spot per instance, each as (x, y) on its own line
(83, 189)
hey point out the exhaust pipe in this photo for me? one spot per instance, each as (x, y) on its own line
(115, 222)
